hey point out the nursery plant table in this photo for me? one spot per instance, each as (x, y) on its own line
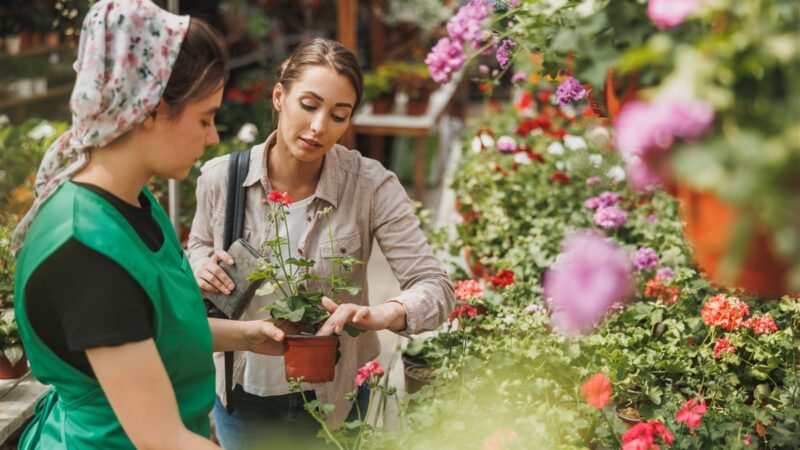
(17, 400)
(417, 127)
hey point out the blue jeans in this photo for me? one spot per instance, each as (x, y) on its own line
(278, 421)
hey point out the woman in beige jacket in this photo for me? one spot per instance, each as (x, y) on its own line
(317, 92)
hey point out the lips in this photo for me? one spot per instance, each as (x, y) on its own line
(311, 142)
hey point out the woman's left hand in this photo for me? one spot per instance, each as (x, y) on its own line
(262, 336)
(389, 315)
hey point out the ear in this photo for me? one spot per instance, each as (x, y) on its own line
(277, 97)
(159, 112)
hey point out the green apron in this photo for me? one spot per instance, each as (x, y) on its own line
(76, 414)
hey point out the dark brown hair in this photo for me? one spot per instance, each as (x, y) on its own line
(200, 68)
(322, 52)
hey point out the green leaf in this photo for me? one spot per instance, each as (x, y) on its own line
(266, 288)
(301, 262)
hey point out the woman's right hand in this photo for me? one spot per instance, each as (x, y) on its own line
(210, 276)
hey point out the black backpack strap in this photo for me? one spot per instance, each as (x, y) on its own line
(238, 166)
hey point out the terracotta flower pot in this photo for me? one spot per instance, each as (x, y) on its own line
(383, 104)
(417, 107)
(478, 270)
(311, 357)
(709, 224)
(9, 372)
(416, 377)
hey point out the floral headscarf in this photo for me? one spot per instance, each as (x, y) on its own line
(125, 58)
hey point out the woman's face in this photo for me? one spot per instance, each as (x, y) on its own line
(314, 113)
(179, 141)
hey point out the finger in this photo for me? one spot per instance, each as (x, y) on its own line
(326, 329)
(269, 330)
(329, 304)
(362, 315)
(206, 286)
(222, 255)
(225, 281)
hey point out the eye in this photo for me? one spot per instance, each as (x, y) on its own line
(205, 123)
(338, 119)
(308, 107)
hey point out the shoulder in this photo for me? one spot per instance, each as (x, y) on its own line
(368, 170)
(215, 168)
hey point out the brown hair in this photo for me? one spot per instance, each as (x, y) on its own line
(199, 69)
(322, 52)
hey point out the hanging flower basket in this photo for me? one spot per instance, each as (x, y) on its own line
(709, 224)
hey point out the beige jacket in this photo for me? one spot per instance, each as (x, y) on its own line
(368, 203)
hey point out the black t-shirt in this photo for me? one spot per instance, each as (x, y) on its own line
(78, 298)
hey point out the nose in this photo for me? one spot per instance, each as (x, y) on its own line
(318, 124)
(213, 137)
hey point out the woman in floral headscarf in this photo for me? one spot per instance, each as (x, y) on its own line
(107, 305)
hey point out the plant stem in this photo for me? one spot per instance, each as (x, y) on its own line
(322, 423)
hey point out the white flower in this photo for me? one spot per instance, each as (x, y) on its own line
(599, 136)
(616, 173)
(586, 8)
(4, 120)
(475, 146)
(509, 320)
(568, 110)
(522, 158)
(560, 165)
(596, 160)
(41, 131)
(487, 140)
(537, 132)
(247, 133)
(575, 142)
(457, 219)
(555, 148)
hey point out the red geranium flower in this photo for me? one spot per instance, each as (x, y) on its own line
(659, 290)
(463, 311)
(724, 312)
(235, 94)
(642, 436)
(524, 101)
(761, 324)
(691, 412)
(503, 278)
(538, 157)
(560, 177)
(468, 289)
(281, 198)
(597, 390)
(723, 345)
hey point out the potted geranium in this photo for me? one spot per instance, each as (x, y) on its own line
(379, 91)
(414, 81)
(307, 356)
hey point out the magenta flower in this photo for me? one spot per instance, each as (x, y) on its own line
(445, 58)
(645, 258)
(570, 90)
(591, 181)
(608, 198)
(591, 203)
(466, 26)
(591, 275)
(610, 217)
(503, 56)
(671, 13)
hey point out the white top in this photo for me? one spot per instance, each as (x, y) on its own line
(265, 375)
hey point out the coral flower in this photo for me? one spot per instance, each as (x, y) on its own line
(468, 289)
(370, 369)
(642, 436)
(723, 345)
(724, 312)
(597, 390)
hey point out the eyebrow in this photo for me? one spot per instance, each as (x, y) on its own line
(212, 110)
(316, 96)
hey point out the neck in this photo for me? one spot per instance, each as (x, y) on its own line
(117, 169)
(289, 174)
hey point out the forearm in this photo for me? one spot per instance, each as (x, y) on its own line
(227, 335)
(395, 314)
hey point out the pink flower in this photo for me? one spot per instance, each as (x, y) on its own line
(591, 203)
(761, 324)
(691, 412)
(645, 258)
(483, 68)
(591, 181)
(280, 198)
(468, 289)
(597, 390)
(518, 77)
(466, 26)
(499, 438)
(370, 370)
(645, 132)
(570, 90)
(590, 275)
(445, 58)
(746, 440)
(461, 311)
(723, 345)
(665, 273)
(506, 144)
(608, 198)
(503, 53)
(610, 217)
(671, 13)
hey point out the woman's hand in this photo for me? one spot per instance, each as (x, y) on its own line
(389, 315)
(210, 276)
(262, 336)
